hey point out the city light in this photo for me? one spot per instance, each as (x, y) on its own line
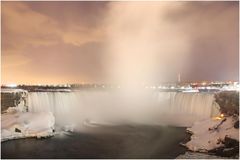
(11, 85)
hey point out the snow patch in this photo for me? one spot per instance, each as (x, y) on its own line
(206, 138)
(17, 124)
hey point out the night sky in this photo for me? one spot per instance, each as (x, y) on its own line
(68, 42)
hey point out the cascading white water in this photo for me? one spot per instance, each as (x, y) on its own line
(200, 104)
(171, 108)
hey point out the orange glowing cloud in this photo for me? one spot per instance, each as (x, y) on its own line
(71, 42)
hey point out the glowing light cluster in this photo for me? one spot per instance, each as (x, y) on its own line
(11, 85)
(221, 116)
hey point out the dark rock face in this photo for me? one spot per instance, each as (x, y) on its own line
(236, 124)
(9, 100)
(12, 99)
(229, 142)
(230, 148)
(228, 102)
(17, 130)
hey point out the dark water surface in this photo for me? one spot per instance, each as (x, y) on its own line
(104, 142)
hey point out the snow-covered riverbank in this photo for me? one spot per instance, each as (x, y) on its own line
(218, 135)
(215, 135)
(16, 124)
(210, 133)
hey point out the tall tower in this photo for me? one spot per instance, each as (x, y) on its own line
(179, 78)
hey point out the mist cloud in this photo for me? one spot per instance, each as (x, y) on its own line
(143, 47)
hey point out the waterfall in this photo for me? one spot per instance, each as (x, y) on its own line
(200, 104)
(171, 108)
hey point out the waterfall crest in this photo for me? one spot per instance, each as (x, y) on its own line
(170, 108)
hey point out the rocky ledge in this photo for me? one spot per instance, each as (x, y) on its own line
(218, 135)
